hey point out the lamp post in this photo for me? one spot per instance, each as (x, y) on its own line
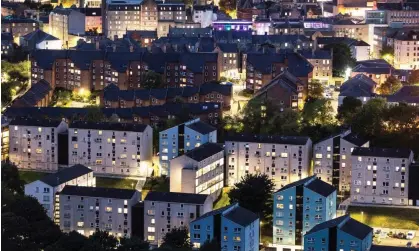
(260, 231)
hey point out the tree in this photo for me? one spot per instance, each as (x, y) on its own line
(133, 244)
(254, 192)
(94, 114)
(317, 112)
(15, 234)
(68, 241)
(349, 108)
(10, 178)
(401, 118)
(315, 89)
(101, 241)
(152, 80)
(414, 77)
(390, 86)
(213, 245)
(286, 122)
(227, 5)
(369, 121)
(342, 59)
(177, 238)
(387, 53)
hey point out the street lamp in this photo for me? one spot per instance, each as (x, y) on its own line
(260, 231)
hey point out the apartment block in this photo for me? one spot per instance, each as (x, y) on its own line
(169, 14)
(164, 211)
(46, 188)
(332, 158)
(380, 175)
(298, 207)
(121, 17)
(182, 138)
(235, 227)
(321, 60)
(204, 15)
(19, 27)
(111, 148)
(66, 22)
(89, 209)
(285, 159)
(230, 62)
(200, 171)
(342, 233)
(406, 50)
(34, 143)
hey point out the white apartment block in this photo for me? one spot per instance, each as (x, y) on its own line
(90, 209)
(199, 171)
(111, 148)
(164, 211)
(284, 159)
(380, 175)
(34, 143)
(332, 159)
(45, 189)
(406, 51)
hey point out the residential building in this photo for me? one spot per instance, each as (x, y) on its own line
(332, 159)
(143, 37)
(38, 95)
(120, 17)
(235, 227)
(389, 13)
(18, 27)
(284, 159)
(298, 207)
(7, 47)
(284, 41)
(177, 140)
(204, 14)
(233, 36)
(321, 60)
(405, 47)
(113, 97)
(200, 171)
(34, 143)
(93, 21)
(65, 23)
(376, 69)
(90, 209)
(46, 189)
(111, 148)
(230, 62)
(190, 32)
(5, 141)
(164, 211)
(169, 14)
(380, 175)
(351, 29)
(342, 233)
(408, 94)
(39, 40)
(287, 27)
(233, 24)
(360, 87)
(361, 51)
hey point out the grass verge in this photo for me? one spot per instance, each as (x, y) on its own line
(30, 176)
(115, 183)
(223, 200)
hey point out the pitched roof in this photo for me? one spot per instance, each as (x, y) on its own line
(355, 139)
(358, 86)
(241, 216)
(375, 66)
(65, 175)
(286, 80)
(275, 139)
(38, 36)
(204, 151)
(407, 94)
(228, 47)
(129, 127)
(321, 187)
(329, 224)
(382, 152)
(316, 54)
(297, 183)
(214, 212)
(101, 192)
(37, 92)
(35, 122)
(186, 198)
(201, 127)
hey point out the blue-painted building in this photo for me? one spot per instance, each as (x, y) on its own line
(234, 227)
(342, 233)
(179, 139)
(298, 207)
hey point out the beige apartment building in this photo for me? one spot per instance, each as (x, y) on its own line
(380, 175)
(89, 209)
(66, 25)
(120, 17)
(34, 143)
(347, 28)
(284, 159)
(166, 210)
(406, 50)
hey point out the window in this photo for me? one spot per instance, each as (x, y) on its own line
(108, 209)
(284, 155)
(197, 227)
(319, 155)
(151, 238)
(46, 189)
(151, 229)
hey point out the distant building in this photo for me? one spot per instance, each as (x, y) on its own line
(128, 12)
(39, 95)
(200, 171)
(18, 26)
(408, 94)
(90, 209)
(164, 211)
(182, 138)
(405, 45)
(39, 40)
(230, 60)
(7, 47)
(204, 14)
(360, 87)
(381, 175)
(65, 23)
(298, 207)
(322, 64)
(342, 233)
(377, 69)
(235, 227)
(45, 189)
(234, 24)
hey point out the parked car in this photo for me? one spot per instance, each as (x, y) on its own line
(410, 235)
(401, 236)
(409, 244)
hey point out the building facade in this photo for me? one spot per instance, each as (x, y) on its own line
(406, 47)
(298, 207)
(164, 211)
(111, 148)
(284, 159)
(19, 27)
(34, 143)
(380, 175)
(120, 17)
(63, 23)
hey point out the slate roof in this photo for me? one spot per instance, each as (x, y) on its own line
(336, 40)
(17, 20)
(407, 94)
(6, 36)
(321, 187)
(213, 212)
(201, 127)
(356, 229)
(204, 151)
(286, 80)
(375, 66)
(37, 92)
(355, 139)
(358, 86)
(316, 54)
(228, 47)
(232, 36)
(286, 140)
(39, 36)
(186, 198)
(382, 152)
(108, 126)
(241, 216)
(278, 39)
(190, 32)
(297, 183)
(329, 224)
(35, 122)
(101, 192)
(65, 175)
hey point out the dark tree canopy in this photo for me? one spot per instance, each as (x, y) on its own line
(177, 238)
(414, 77)
(152, 80)
(212, 245)
(317, 112)
(100, 240)
(348, 110)
(10, 178)
(133, 244)
(390, 86)
(315, 89)
(342, 59)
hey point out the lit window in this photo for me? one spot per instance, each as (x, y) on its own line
(284, 155)
(319, 155)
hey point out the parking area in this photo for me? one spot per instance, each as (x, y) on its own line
(382, 237)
